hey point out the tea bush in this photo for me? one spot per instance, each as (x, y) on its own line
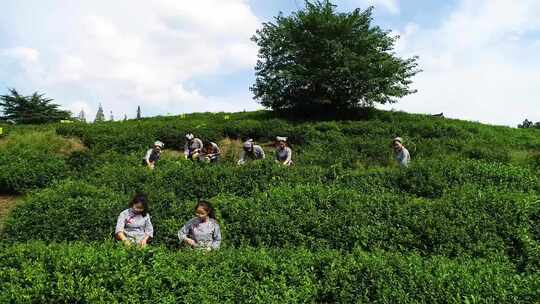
(136, 135)
(191, 180)
(350, 143)
(78, 273)
(111, 186)
(467, 223)
(461, 224)
(434, 177)
(535, 160)
(344, 224)
(491, 154)
(67, 211)
(33, 160)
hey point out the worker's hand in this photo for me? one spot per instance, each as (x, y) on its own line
(126, 242)
(143, 242)
(190, 242)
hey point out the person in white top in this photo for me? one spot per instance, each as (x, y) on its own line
(153, 155)
(133, 225)
(250, 151)
(202, 231)
(403, 157)
(283, 151)
(193, 147)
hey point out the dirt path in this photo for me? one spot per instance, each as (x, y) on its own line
(7, 203)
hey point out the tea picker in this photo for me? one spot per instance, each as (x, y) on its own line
(193, 147)
(153, 155)
(133, 225)
(402, 154)
(250, 151)
(202, 231)
(210, 152)
(283, 151)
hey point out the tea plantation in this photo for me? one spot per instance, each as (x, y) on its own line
(345, 224)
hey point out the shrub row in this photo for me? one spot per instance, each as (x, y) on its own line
(470, 222)
(425, 136)
(33, 160)
(434, 178)
(136, 135)
(191, 180)
(429, 178)
(77, 273)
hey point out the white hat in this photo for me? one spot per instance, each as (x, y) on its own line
(159, 144)
(281, 138)
(399, 139)
(248, 143)
(189, 136)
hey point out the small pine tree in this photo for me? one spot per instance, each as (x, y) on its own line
(125, 117)
(111, 117)
(139, 112)
(82, 116)
(100, 117)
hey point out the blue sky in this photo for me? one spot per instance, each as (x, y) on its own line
(479, 56)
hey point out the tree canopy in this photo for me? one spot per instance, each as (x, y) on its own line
(33, 109)
(320, 59)
(529, 124)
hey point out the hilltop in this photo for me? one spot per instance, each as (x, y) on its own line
(345, 223)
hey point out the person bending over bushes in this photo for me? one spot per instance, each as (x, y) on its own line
(202, 231)
(402, 155)
(193, 147)
(153, 155)
(283, 151)
(210, 152)
(133, 224)
(251, 151)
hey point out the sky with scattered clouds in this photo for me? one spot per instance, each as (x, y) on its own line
(479, 57)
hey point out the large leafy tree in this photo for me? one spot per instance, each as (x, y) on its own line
(319, 59)
(33, 109)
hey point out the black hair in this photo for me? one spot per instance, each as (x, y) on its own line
(140, 198)
(208, 207)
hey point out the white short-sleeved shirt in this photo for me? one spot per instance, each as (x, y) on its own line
(205, 234)
(135, 226)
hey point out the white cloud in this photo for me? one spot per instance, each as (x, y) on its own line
(24, 54)
(99, 52)
(480, 63)
(81, 105)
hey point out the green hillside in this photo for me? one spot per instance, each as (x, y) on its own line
(345, 224)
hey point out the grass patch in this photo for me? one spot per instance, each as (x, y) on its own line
(7, 203)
